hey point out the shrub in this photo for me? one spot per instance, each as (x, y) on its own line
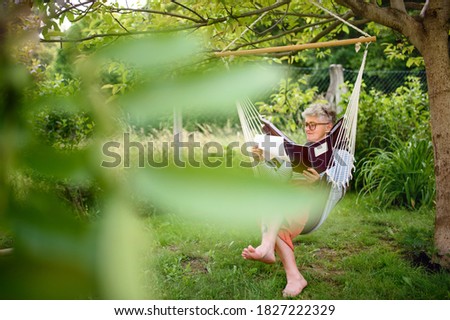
(64, 130)
(400, 114)
(286, 105)
(56, 124)
(402, 175)
(385, 117)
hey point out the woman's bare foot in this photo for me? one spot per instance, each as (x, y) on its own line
(294, 286)
(260, 253)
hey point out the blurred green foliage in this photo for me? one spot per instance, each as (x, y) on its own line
(61, 255)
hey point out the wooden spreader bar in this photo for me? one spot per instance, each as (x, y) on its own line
(297, 47)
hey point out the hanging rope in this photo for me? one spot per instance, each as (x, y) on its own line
(339, 18)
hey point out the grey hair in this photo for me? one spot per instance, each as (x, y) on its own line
(320, 110)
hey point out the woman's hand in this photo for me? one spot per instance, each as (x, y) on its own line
(257, 153)
(311, 175)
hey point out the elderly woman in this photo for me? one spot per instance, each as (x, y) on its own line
(278, 232)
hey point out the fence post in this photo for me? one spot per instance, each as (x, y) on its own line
(336, 87)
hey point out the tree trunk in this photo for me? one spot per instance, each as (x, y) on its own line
(437, 63)
(430, 36)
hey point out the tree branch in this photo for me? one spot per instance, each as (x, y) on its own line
(120, 24)
(302, 15)
(207, 22)
(198, 24)
(263, 33)
(398, 5)
(360, 22)
(84, 13)
(389, 17)
(332, 26)
(121, 34)
(74, 6)
(165, 13)
(282, 34)
(264, 9)
(414, 5)
(190, 10)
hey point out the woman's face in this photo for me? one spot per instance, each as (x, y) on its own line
(316, 128)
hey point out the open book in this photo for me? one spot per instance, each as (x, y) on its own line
(316, 155)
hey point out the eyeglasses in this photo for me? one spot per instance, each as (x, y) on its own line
(313, 125)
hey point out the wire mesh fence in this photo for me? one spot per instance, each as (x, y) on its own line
(385, 81)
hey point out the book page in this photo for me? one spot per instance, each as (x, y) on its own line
(272, 146)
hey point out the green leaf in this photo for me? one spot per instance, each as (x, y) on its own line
(216, 92)
(150, 53)
(55, 34)
(70, 15)
(229, 196)
(53, 252)
(57, 164)
(122, 245)
(345, 29)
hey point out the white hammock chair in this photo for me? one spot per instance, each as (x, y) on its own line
(339, 165)
(340, 161)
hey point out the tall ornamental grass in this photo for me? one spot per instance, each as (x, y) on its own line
(401, 175)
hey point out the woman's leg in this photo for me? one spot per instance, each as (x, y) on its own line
(295, 280)
(265, 252)
(272, 242)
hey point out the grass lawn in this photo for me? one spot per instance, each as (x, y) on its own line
(356, 254)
